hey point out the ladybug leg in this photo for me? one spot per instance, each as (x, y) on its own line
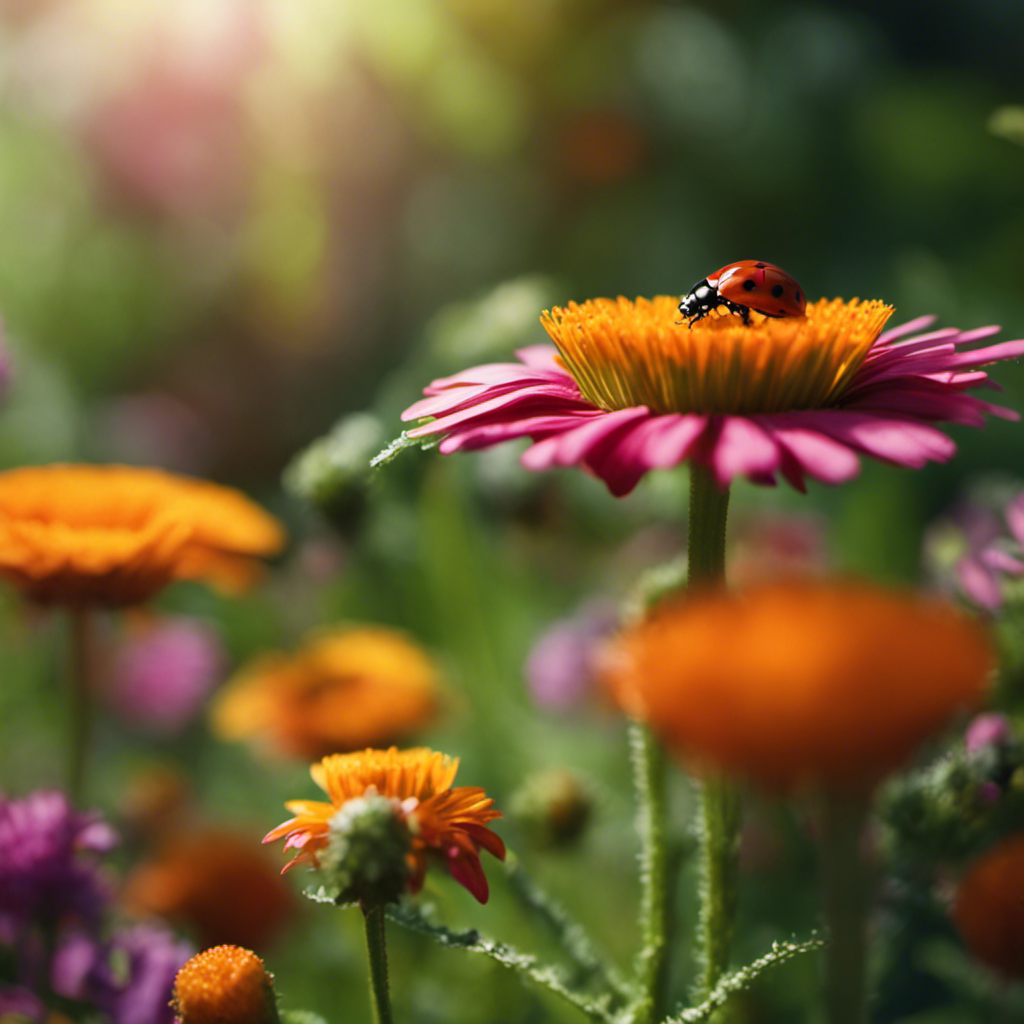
(737, 308)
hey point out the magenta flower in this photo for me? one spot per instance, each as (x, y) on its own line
(162, 675)
(628, 389)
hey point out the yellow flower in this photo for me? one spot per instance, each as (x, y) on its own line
(448, 822)
(224, 985)
(116, 535)
(801, 682)
(346, 689)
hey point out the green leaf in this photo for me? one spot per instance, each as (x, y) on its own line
(742, 979)
(399, 444)
(550, 977)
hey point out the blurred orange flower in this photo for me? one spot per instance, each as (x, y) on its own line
(989, 907)
(116, 535)
(224, 985)
(348, 688)
(445, 821)
(216, 884)
(832, 682)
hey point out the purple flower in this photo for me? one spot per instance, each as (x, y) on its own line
(47, 871)
(133, 980)
(560, 670)
(16, 1002)
(162, 675)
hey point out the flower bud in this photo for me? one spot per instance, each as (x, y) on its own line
(224, 985)
(367, 855)
(554, 805)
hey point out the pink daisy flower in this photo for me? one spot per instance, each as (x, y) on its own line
(628, 388)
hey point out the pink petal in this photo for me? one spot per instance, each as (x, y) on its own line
(742, 448)
(979, 583)
(889, 336)
(817, 455)
(572, 447)
(997, 558)
(900, 441)
(472, 438)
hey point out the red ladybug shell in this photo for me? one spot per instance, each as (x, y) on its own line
(760, 286)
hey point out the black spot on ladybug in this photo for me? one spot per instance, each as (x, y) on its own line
(748, 285)
(777, 291)
(760, 266)
(796, 295)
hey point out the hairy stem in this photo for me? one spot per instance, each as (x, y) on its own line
(376, 951)
(719, 821)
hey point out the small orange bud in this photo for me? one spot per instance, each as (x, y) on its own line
(224, 985)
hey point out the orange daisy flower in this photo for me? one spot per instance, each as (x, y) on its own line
(216, 884)
(989, 907)
(116, 535)
(349, 688)
(224, 985)
(797, 682)
(444, 821)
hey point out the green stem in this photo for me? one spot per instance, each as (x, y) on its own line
(717, 862)
(648, 760)
(376, 950)
(718, 826)
(846, 887)
(81, 681)
(709, 510)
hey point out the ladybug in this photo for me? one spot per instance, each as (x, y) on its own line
(744, 286)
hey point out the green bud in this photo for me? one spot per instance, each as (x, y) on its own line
(333, 472)
(366, 857)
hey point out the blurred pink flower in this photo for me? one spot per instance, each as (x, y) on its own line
(990, 729)
(561, 667)
(979, 549)
(162, 674)
(628, 389)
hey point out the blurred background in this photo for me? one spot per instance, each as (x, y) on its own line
(228, 225)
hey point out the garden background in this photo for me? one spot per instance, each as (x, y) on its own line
(227, 225)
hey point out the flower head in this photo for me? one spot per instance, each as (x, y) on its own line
(116, 535)
(989, 907)
(163, 671)
(792, 683)
(131, 981)
(224, 985)
(980, 547)
(217, 885)
(48, 869)
(442, 820)
(628, 389)
(346, 689)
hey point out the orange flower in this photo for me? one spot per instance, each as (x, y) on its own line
(348, 688)
(215, 884)
(441, 820)
(989, 907)
(801, 682)
(116, 535)
(224, 985)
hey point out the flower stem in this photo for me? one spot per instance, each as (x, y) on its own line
(648, 762)
(82, 655)
(718, 827)
(376, 950)
(709, 510)
(846, 887)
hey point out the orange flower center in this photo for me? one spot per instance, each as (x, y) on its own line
(624, 354)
